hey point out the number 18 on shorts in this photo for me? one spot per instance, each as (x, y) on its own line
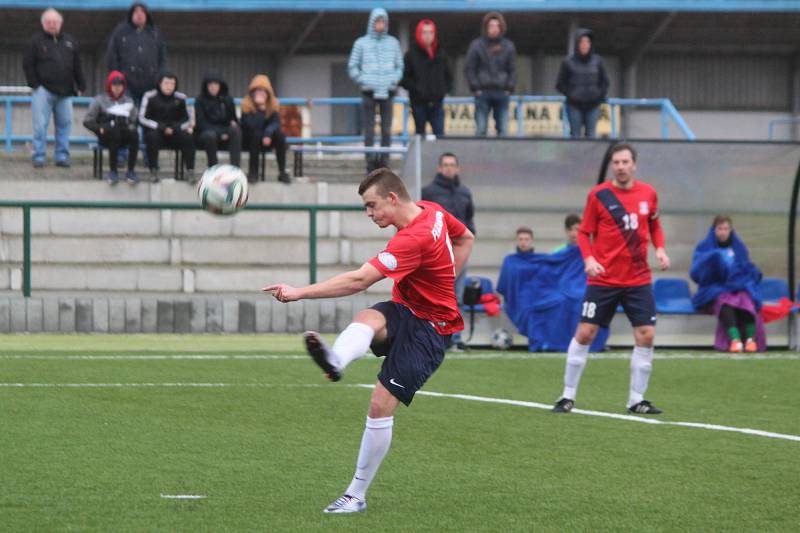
(600, 304)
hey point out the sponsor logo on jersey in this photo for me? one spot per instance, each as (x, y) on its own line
(388, 260)
(644, 208)
(437, 226)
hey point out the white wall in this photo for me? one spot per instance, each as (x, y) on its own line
(309, 77)
(722, 125)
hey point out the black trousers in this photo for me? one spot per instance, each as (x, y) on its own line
(210, 140)
(116, 138)
(254, 144)
(155, 140)
(385, 108)
(735, 318)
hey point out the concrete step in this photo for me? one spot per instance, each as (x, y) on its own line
(335, 168)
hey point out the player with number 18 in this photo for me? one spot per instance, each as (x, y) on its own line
(620, 218)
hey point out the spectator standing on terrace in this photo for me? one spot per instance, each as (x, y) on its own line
(583, 80)
(447, 190)
(216, 125)
(427, 77)
(261, 127)
(137, 50)
(491, 73)
(112, 116)
(53, 70)
(376, 67)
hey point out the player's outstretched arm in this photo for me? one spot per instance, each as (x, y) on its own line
(462, 248)
(342, 285)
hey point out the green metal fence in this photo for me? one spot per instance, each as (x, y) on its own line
(28, 205)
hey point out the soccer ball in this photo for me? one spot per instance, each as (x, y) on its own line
(223, 189)
(502, 339)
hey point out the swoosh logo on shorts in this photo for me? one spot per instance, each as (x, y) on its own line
(396, 384)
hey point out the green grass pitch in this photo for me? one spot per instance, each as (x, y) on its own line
(271, 443)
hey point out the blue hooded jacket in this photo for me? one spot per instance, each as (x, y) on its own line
(718, 270)
(376, 62)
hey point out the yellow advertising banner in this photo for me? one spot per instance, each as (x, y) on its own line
(538, 118)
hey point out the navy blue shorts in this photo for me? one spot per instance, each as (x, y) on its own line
(413, 351)
(600, 304)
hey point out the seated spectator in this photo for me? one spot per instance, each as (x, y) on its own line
(728, 287)
(112, 117)
(571, 225)
(543, 294)
(167, 124)
(216, 125)
(524, 240)
(261, 127)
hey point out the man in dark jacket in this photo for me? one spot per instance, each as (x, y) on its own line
(167, 124)
(446, 190)
(491, 73)
(583, 80)
(137, 50)
(53, 70)
(427, 77)
(216, 125)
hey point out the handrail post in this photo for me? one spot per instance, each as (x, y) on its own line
(520, 115)
(26, 251)
(405, 120)
(664, 121)
(9, 125)
(614, 134)
(312, 245)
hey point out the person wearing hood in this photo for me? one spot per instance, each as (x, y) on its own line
(491, 73)
(216, 125)
(583, 80)
(376, 67)
(167, 124)
(427, 78)
(261, 127)
(112, 117)
(136, 49)
(447, 190)
(727, 286)
(53, 70)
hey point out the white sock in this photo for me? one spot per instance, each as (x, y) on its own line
(641, 366)
(351, 344)
(576, 361)
(374, 445)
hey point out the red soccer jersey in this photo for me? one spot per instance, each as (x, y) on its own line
(419, 259)
(620, 223)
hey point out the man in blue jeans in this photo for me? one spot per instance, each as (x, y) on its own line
(53, 70)
(491, 73)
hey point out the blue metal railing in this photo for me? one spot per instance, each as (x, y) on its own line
(667, 109)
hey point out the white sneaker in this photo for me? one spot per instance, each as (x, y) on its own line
(346, 504)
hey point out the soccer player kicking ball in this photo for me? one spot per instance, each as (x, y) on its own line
(411, 331)
(618, 221)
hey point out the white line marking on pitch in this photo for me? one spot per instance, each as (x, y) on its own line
(616, 416)
(450, 357)
(183, 497)
(468, 397)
